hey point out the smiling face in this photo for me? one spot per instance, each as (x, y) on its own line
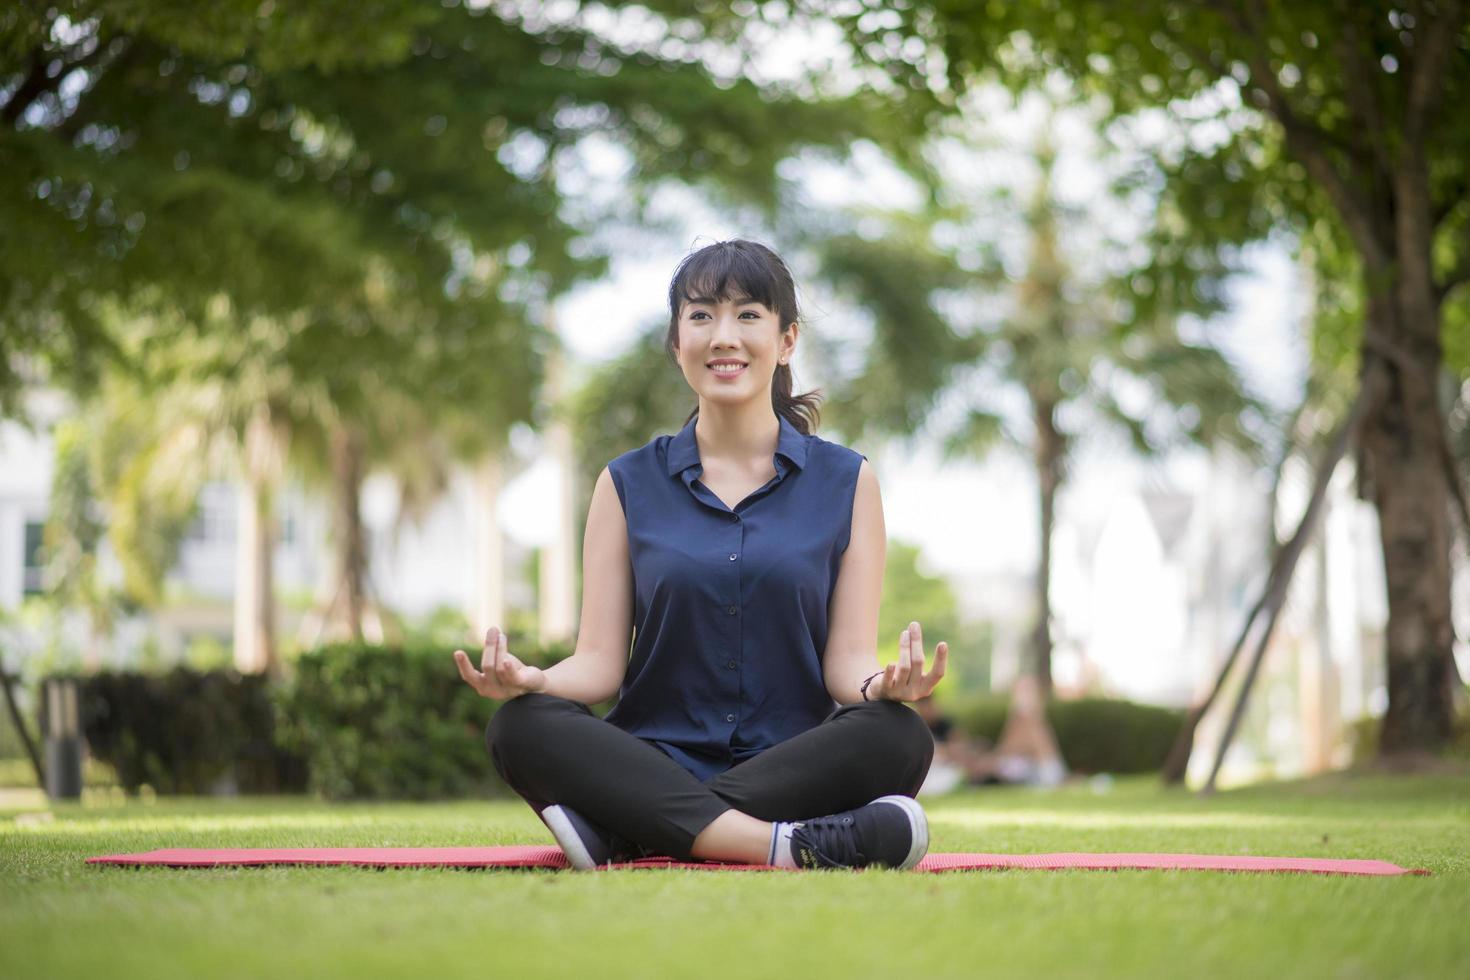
(729, 348)
(729, 302)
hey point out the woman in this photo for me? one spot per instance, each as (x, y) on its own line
(755, 723)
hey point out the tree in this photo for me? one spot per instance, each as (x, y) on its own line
(1337, 112)
(386, 193)
(165, 156)
(1064, 335)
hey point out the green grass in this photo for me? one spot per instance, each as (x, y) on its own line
(61, 917)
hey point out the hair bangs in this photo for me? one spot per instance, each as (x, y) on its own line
(723, 273)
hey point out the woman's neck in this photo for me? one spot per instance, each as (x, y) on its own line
(737, 433)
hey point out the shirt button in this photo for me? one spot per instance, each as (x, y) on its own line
(732, 610)
(732, 665)
(729, 717)
(733, 557)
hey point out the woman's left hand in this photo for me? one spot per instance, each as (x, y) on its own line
(906, 680)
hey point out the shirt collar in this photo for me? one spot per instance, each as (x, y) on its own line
(683, 450)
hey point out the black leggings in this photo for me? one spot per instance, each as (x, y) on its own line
(553, 750)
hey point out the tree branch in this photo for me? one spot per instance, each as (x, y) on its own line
(1435, 40)
(1359, 90)
(1369, 392)
(30, 89)
(1309, 143)
(38, 83)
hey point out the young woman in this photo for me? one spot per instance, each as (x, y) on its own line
(755, 723)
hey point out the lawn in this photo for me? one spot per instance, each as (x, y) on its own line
(61, 917)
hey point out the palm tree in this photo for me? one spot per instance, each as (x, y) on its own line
(1069, 343)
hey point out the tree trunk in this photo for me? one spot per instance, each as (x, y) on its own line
(1048, 459)
(351, 541)
(255, 625)
(1407, 483)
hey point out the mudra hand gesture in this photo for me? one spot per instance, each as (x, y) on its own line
(501, 673)
(906, 680)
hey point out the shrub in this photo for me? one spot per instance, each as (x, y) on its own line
(1093, 734)
(388, 722)
(1107, 735)
(184, 730)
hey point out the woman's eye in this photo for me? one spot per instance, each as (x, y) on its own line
(701, 315)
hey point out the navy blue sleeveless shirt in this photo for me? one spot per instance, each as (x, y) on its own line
(730, 606)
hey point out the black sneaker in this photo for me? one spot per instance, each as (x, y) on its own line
(585, 844)
(891, 832)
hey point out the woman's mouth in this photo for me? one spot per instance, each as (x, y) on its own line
(727, 371)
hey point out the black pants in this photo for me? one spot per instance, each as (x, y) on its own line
(552, 750)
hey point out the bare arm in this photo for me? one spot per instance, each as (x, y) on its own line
(852, 616)
(852, 638)
(595, 671)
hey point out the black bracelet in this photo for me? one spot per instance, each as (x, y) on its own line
(864, 688)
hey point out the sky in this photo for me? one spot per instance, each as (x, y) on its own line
(925, 500)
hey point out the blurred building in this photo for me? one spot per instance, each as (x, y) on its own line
(1151, 583)
(417, 566)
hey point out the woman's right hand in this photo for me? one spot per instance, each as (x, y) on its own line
(501, 673)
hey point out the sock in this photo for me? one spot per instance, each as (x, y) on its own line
(781, 845)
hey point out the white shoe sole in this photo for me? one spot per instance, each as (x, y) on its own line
(918, 827)
(566, 835)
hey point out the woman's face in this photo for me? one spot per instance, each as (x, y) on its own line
(738, 331)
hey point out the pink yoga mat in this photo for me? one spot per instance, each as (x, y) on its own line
(534, 856)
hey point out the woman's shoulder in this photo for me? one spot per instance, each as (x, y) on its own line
(651, 453)
(832, 453)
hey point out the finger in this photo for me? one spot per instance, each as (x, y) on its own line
(508, 665)
(916, 648)
(468, 672)
(889, 673)
(941, 661)
(901, 675)
(487, 651)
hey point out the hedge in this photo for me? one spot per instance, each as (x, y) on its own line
(368, 722)
(185, 731)
(1093, 734)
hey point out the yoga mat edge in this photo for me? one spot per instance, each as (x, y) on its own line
(538, 856)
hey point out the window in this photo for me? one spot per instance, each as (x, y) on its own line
(215, 521)
(31, 579)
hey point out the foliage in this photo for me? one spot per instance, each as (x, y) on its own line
(380, 174)
(381, 722)
(184, 730)
(1093, 734)
(1277, 117)
(909, 594)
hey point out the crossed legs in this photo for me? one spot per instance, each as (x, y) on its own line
(554, 750)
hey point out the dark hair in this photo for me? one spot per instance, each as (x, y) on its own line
(741, 268)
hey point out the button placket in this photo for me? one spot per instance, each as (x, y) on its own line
(732, 609)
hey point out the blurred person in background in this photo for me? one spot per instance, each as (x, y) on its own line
(1027, 753)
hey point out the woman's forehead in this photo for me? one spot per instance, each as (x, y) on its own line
(735, 299)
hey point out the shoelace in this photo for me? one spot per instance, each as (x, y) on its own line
(826, 837)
